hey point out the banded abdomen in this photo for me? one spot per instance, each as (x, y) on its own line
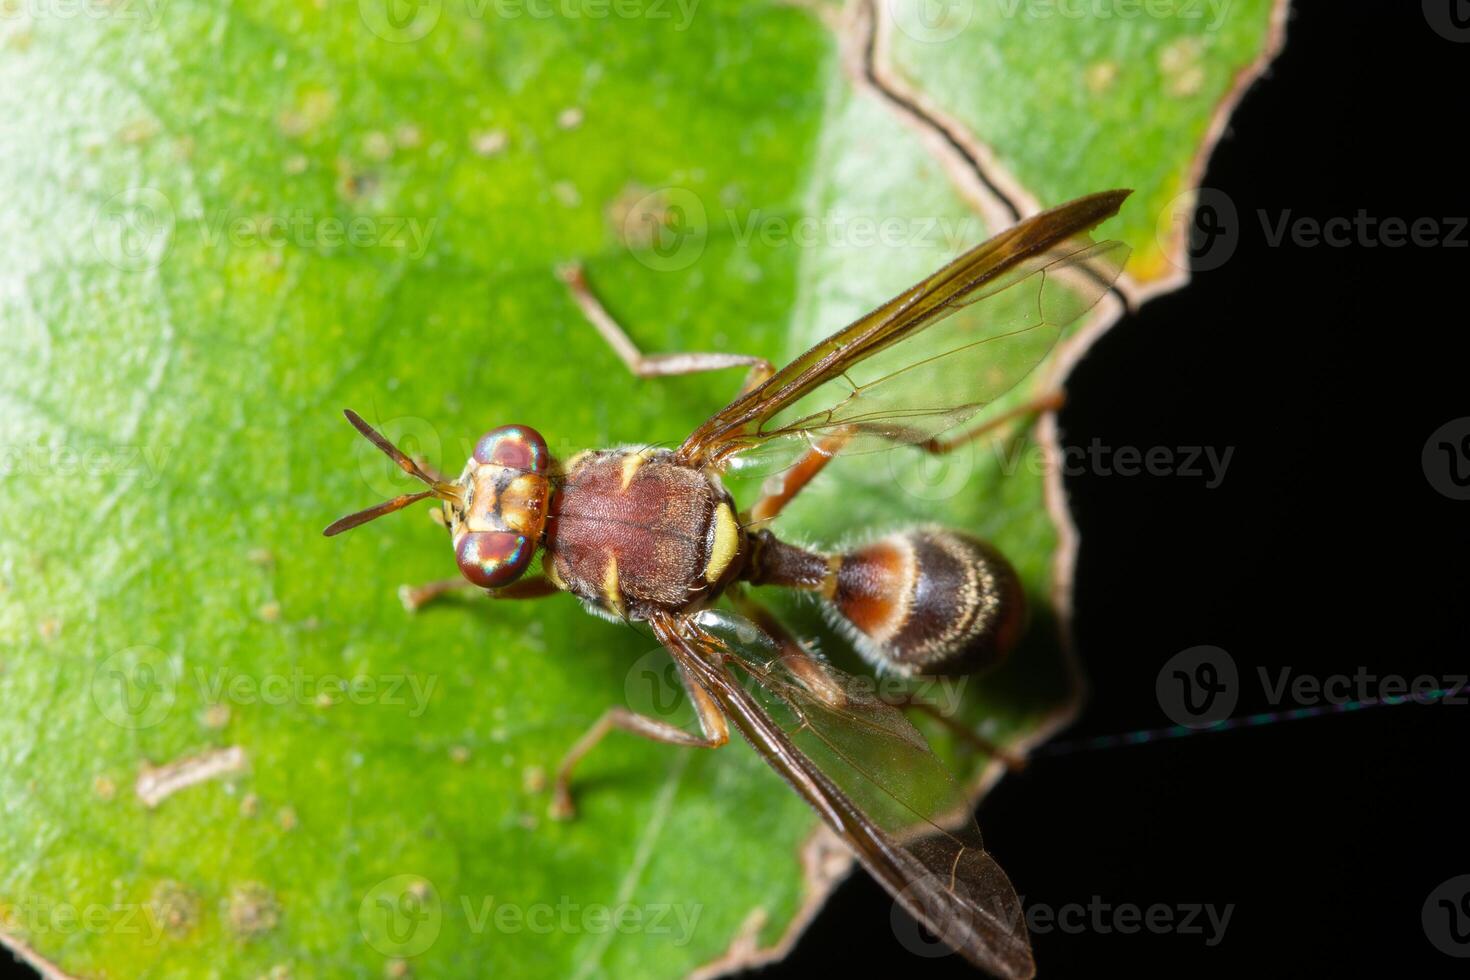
(629, 531)
(927, 600)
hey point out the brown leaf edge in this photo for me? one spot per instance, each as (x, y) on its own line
(1001, 200)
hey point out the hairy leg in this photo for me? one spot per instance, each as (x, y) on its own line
(807, 669)
(654, 365)
(794, 479)
(415, 597)
(964, 732)
(1051, 401)
(711, 722)
(813, 675)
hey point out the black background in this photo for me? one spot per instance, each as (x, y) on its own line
(1325, 550)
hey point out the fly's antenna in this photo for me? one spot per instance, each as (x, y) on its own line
(437, 488)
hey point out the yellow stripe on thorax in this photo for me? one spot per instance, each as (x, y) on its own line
(632, 463)
(611, 593)
(727, 540)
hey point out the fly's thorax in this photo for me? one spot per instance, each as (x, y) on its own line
(632, 530)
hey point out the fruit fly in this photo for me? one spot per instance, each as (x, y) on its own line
(652, 535)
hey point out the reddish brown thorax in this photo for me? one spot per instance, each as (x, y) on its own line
(630, 531)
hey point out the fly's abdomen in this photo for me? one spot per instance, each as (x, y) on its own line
(927, 600)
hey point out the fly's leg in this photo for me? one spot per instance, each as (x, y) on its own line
(820, 684)
(1050, 401)
(782, 488)
(654, 365)
(415, 597)
(716, 732)
(1009, 759)
(794, 657)
(785, 486)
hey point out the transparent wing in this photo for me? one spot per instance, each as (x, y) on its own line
(934, 355)
(961, 363)
(873, 779)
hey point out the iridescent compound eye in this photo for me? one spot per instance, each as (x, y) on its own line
(518, 447)
(492, 559)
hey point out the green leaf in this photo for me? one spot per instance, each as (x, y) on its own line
(225, 749)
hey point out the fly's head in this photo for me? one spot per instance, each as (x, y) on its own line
(497, 520)
(495, 511)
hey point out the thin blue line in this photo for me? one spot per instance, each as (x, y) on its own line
(1146, 735)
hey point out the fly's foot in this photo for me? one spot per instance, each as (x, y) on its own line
(416, 597)
(562, 808)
